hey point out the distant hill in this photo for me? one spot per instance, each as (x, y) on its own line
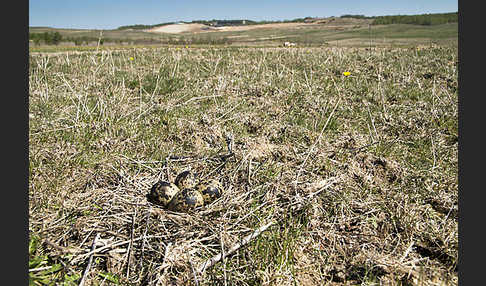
(229, 23)
(419, 19)
(214, 23)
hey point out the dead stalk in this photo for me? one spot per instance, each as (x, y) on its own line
(310, 150)
(215, 259)
(88, 267)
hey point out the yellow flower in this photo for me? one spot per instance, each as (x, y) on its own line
(131, 58)
(187, 47)
(346, 73)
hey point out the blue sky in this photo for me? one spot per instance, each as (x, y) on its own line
(110, 14)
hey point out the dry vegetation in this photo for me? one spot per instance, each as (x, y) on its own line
(357, 174)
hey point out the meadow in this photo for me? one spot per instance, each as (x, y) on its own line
(347, 155)
(332, 32)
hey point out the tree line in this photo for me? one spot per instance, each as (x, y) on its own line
(49, 38)
(356, 16)
(142, 27)
(54, 38)
(423, 19)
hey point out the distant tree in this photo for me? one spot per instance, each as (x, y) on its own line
(56, 38)
(47, 38)
(36, 38)
(355, 16)
(85, 40)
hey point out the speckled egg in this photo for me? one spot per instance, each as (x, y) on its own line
(162, 192)
(186, 200)
(210, 189)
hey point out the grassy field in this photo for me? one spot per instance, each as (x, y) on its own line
(356, 174)
(339, 32)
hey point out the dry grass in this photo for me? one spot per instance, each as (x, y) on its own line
(358, 173)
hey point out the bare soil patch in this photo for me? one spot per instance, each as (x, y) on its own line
(180, 28)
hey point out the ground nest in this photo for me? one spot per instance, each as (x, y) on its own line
(144, 242)
(329, 178)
